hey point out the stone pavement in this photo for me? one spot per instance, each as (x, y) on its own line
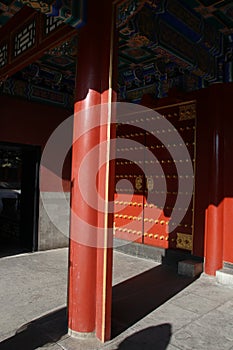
(153, 307)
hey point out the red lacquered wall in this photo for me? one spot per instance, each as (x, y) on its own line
(32, 123)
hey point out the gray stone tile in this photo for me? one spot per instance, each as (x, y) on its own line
(10, 322)
(32, 285)
(168, 313)
(213, 292)
(218, 322)
(181, 294)
(200, 315)
(195, 337)
(80, 344)
(128, 345)
(227, 307)
(50, 347)
(34, 310)
(194, 303)
(172, 347)
(110, 345)
(205, 282)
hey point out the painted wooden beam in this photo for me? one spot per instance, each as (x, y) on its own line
(25, 39)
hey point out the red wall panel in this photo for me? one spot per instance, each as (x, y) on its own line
(32, 123)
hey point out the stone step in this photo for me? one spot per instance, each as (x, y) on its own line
(190, 268)
(225, 276)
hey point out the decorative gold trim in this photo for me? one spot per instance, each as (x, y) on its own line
(150, 183)
(42, 6)
(187, 112)
(138, 182)
(175, 105)
(184, 241)
(148, 110)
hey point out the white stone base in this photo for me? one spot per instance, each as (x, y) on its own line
(81, 335)
(225, 276)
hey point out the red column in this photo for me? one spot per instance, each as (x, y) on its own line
(90, 266)
(214, 212)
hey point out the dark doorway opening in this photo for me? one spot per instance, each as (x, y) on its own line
(19, 193)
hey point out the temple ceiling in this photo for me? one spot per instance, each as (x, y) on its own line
(71, 12)
(162, 44)
(51, 79)
(173, 43)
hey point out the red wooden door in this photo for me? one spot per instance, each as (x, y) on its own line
(147, 215)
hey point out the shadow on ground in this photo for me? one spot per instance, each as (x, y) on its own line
(157, 337)
(137, 297)
(133, 299)
(45, 330)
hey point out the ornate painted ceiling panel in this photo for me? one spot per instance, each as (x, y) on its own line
(218, 13)
(162, 44)
(173, 44)
(51, 79)
(71, 12)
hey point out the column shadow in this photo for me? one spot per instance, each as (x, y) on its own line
(45, 330)
(133, 299)
(156, 337)
(138, 296)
